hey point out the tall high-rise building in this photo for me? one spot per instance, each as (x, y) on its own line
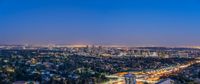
(130, 78)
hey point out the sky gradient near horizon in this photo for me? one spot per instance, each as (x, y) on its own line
(124, 22)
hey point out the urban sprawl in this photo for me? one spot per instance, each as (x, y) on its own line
(90, 64)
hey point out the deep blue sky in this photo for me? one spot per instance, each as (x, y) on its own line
(125, 22)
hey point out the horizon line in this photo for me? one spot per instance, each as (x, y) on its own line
(104, 45)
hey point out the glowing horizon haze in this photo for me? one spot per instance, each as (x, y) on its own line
(109, 22)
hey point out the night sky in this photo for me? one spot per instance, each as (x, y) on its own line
(124, 22)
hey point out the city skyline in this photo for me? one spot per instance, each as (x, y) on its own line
(134, 23)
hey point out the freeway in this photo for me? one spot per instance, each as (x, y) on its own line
(151, 76)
